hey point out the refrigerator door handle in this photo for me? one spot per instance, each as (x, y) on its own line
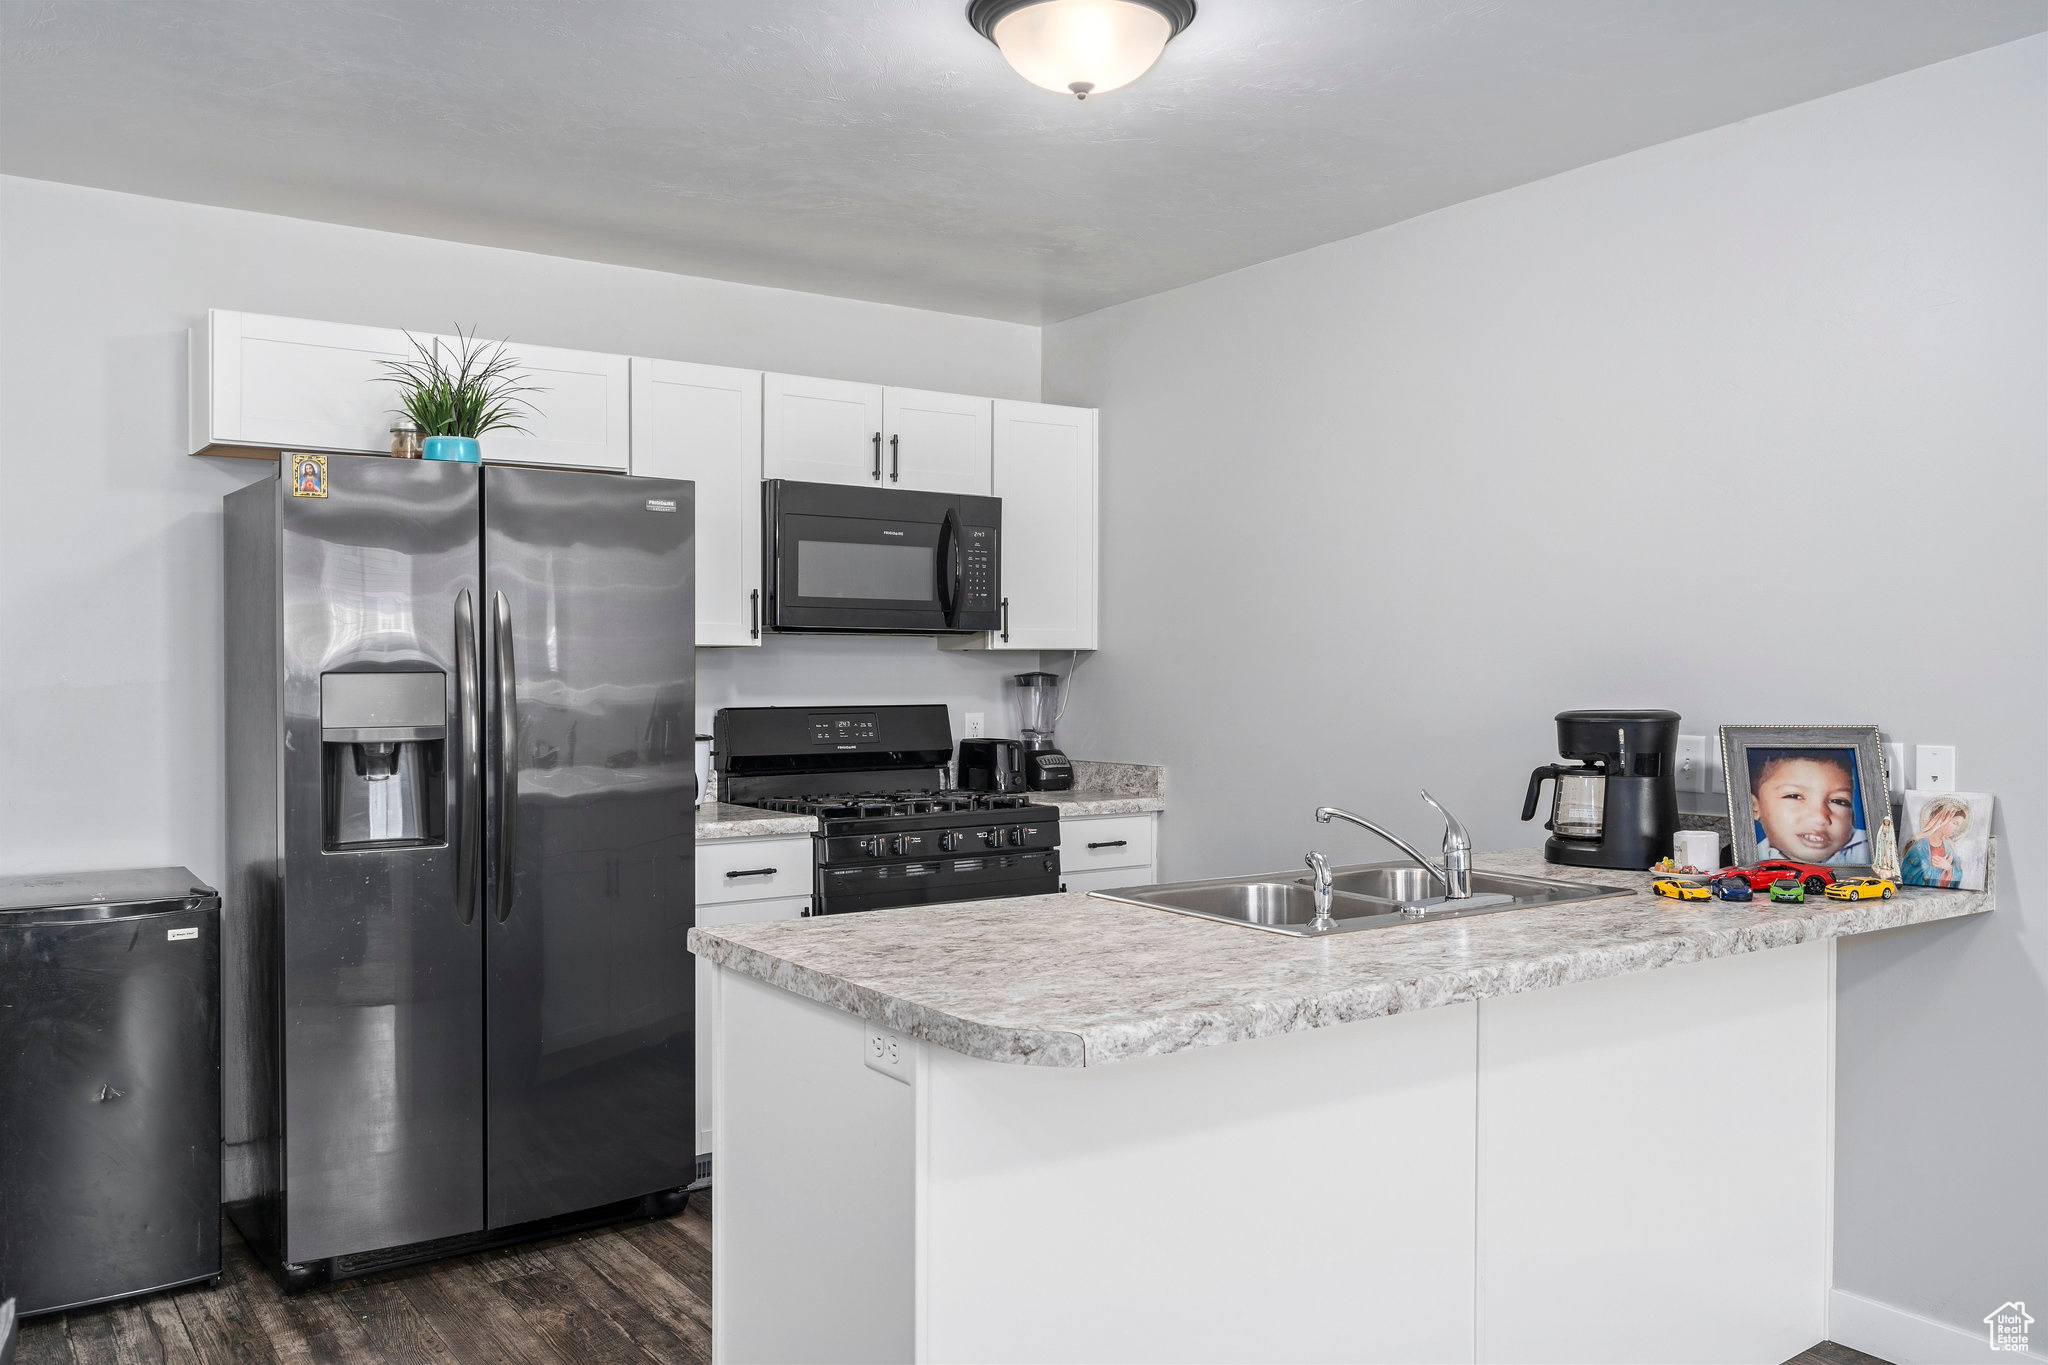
(469, 843)
(508, 754)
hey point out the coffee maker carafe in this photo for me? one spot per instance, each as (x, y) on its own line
(1619, 806)
(1046, 769)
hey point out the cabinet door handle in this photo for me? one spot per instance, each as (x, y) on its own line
(1006, 620)
(878, 457)
(753, 872)
(1111, 843)
(754, 631)
(895, 464)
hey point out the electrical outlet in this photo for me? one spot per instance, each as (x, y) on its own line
(1895, 766)
(975, 725)
(1692, 763)
(887, 1053)
(1934, 767)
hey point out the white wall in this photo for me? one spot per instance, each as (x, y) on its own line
(1753, 425)
(110, 690)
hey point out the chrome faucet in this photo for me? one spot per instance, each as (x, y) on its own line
(1320, 867)
(1455, 872)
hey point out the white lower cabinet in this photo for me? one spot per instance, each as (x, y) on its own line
(741, 881)
(1099, 852)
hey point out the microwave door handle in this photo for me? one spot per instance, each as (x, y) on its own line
(947, 563)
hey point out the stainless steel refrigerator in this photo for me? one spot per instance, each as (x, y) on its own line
(461, 789)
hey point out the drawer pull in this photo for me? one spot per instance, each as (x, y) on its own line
(754, 872)
(1111, 843)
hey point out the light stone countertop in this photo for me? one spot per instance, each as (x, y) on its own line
(1070, 980)
(1110, 789)
(1093, 801)
(717, 820)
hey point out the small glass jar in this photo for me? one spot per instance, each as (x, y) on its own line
(406, 441)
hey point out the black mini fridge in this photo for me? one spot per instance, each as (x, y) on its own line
(109, 1085)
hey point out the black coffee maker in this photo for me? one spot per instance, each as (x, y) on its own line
(1619, 806)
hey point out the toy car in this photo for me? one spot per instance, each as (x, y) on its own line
(1861, 889)
(1732, 888)
(1811, 875)
(1788, 889)
(1680, 889)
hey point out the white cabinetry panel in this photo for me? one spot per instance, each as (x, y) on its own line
(581, 410)
(821, 430)
(703, 423)
(271, 383)
(1045, 473)
(711, 917)
(937, 442)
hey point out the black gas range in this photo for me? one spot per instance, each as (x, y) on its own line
(890, 832)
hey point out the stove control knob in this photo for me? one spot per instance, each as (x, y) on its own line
(1016, 836)
(871, 846)
(992, 837)
(898, 846)
(948, 841)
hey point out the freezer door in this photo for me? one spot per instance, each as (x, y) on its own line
(382, 962)
(590, 595)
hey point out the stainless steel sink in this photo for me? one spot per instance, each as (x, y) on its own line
(1369, 897)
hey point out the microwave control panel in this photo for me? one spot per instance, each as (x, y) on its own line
(978, 549)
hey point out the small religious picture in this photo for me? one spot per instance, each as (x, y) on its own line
(309, 475)
(1948, 839)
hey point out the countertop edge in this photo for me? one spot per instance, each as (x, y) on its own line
(989, 1042)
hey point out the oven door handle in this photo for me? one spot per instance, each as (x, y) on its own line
(949, 567)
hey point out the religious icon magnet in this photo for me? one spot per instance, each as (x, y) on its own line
(309, 475)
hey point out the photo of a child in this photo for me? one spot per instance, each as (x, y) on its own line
(1947, 839)
(1809, 806)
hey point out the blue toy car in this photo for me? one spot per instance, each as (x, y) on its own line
(1733, 888)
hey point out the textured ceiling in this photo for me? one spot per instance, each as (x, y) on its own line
(880, 149)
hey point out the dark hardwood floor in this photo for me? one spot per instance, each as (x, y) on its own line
(628, 1294)
(635, 1292)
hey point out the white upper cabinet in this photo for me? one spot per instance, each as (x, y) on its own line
(835, 431)
(937, 442)
(271, 383)
(1045, 473)
(821, 430)
(703, 422)
(287, 383)
(581, 398)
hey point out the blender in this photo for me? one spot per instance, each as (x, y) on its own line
(1046, 769)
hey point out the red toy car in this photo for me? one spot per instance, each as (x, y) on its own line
(1815, 878)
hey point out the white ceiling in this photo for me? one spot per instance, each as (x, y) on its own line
(880, 149)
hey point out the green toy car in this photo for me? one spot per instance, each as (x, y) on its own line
(1788, 889)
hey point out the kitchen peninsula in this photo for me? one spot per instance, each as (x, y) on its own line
(1064, 1128)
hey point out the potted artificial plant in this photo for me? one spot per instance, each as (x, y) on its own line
(455, 390)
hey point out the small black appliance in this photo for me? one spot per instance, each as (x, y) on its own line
(109, 1085)
(880, 560)
(1046, 769)
(890, 832)
(1618, 806)
(992, 765)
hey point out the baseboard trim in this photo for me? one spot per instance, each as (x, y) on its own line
(1907, 1338)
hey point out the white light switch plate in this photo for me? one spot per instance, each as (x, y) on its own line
(888, 1053)
(1934, 767)
(1895, 766)
(1692, 763)
(974, 725)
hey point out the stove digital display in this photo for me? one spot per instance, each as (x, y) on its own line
(847, 730)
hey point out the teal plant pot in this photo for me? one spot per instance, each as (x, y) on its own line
(462, 448)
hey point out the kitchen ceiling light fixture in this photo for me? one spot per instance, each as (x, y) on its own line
(1082, 47)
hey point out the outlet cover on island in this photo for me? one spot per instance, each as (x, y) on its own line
(1692, 763)
(974, 725)
(1934, 767)
(887, 1053)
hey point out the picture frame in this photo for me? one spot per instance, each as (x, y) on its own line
(1947, 839)
(1820, 789)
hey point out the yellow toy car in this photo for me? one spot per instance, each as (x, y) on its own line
(1861, 889)
(1680, 889)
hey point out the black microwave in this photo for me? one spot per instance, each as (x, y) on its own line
(880, 560)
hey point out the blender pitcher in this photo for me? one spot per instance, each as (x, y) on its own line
(1038, 700)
